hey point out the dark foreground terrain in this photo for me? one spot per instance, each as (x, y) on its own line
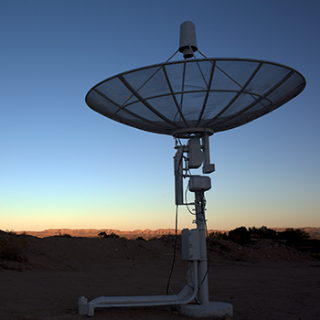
(263, 280)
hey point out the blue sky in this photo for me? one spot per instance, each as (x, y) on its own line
(64, 166)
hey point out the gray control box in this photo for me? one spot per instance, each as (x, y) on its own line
(199, 183)
(190, 244)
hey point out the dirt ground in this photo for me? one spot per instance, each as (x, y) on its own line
(264, 280)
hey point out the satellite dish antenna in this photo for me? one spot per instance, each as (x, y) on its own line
(191, 99)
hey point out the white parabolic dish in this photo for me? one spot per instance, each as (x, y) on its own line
(217, 94)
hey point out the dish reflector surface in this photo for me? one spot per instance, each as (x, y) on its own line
(219, 94)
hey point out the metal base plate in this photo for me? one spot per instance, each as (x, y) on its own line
(219, 310)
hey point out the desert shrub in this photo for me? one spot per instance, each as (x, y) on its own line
(166, 235)
(218, 235)
(11, 232)
(294, 237)
(65, 235)
(239, 235)
(105, 235)
(263, 233)
(102, 235)
(12, 247)
(141, 238)
(112, 235)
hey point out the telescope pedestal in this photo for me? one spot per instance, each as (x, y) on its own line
(205, 308)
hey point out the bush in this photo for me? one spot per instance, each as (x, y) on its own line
(12, 247)
(263, 233)
(65, 235)
(105, 235)
(141, 238)
(239, 235)
(294, 237)
(218, 235)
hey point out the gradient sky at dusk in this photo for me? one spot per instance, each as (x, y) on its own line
(63, 165)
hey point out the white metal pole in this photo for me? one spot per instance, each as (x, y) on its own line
(203, 267)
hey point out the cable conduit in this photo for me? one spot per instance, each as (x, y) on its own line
(184, 297)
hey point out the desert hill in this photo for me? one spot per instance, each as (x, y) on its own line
(75, 253)
(147, 233)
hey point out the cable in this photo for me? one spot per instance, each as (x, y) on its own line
(187, 205)
(174, 250)
(203, 205)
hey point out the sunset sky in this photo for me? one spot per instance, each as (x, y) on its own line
(63, 165)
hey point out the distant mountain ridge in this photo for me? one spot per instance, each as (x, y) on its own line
(91, 233)
(147, 233)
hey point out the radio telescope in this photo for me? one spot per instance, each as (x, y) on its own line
(191, 99)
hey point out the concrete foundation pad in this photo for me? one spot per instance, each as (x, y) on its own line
(218, 310)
